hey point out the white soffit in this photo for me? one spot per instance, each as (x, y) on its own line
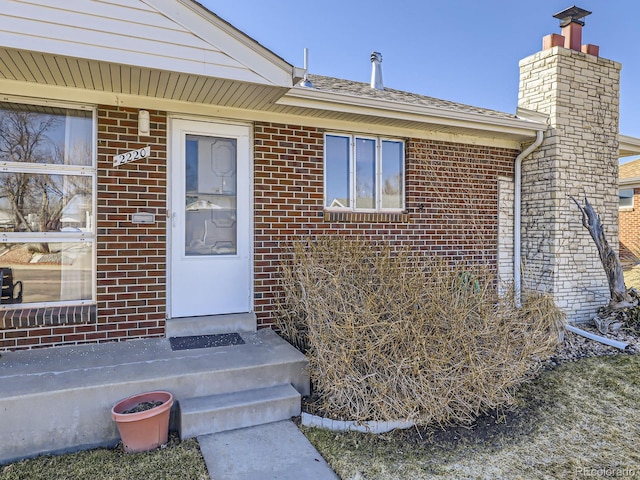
(167, 35)
(629, 146)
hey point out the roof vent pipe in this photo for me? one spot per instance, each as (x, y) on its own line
(376, 71)
(305, 82)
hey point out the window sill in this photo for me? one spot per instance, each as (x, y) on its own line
(366, 217)
(625, 209)
(26, 316)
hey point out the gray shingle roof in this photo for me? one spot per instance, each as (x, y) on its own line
(629, 170)
(361, 89)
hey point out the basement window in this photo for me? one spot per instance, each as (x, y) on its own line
(47, 198)
(363, 173)
(626, 197)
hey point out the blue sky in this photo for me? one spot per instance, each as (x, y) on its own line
(461, 50)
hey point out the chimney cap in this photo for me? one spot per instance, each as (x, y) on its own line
(572, 15)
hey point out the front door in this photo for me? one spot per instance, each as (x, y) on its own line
(210, 219)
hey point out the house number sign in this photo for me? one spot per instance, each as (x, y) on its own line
(131, 156)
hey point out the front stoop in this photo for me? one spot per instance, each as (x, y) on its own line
(218, 413)
(59, 399)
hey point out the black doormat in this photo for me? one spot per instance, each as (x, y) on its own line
(205, 341)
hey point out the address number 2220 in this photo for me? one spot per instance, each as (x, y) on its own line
(131, 156)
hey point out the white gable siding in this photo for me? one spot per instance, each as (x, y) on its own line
(128, 32)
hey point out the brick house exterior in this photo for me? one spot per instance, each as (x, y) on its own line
(474, 170)
(130, 300)
(629, 215)
(457, 175)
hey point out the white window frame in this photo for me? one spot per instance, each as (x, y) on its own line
(70, 170)
(352, 170)
(627, 207)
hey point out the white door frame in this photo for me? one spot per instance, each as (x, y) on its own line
(171, 173)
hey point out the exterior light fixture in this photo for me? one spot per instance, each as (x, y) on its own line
(144, 125)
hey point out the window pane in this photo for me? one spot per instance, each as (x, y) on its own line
(392, 174)
(31, 202)
(626, 197)
(365, 173)
(46, 272)
(337, 171)
(210, 202)
(45, 135)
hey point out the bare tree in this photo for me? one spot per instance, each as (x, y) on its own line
(37, 200)
(621, 298)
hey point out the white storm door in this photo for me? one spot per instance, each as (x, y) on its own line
(210, 219)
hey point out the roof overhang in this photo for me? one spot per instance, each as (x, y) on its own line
(181, 51)
(633, 182)
(116, 79)
(431, 118)
(629, 146)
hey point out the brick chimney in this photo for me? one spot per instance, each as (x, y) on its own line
(579, 91)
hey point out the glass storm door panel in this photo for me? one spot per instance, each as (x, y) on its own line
(210, 196)
(210, 221)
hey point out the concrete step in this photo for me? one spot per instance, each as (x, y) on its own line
(219, 413)
(85, 381)
(211, 324)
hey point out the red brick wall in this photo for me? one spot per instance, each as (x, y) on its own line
(629, 220)
(131, 265)
(451, 202)
(131, 257)
(451, 210)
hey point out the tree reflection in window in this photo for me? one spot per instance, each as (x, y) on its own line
(37, 202)
(47, 181)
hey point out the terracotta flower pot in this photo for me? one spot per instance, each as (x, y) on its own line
(147, 429)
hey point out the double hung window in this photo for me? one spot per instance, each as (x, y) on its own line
(47, 198)
(363, 173)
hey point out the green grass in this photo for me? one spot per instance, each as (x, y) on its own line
(175, 461)
(581, 420)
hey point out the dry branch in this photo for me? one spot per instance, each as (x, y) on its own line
(620, 297)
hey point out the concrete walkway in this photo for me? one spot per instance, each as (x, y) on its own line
(265, 452)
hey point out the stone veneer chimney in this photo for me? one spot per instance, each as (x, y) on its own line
(579, 92)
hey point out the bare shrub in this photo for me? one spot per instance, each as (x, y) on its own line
(390, 335)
